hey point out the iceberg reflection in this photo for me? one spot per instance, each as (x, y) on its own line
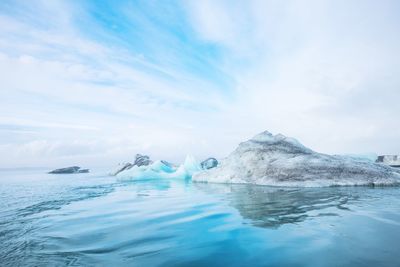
(272, 207)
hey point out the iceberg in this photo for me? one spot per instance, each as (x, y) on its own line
(390, 160)
(161, 169)
(277, 160)
(140, 160)
(209, 163)
(69, 170)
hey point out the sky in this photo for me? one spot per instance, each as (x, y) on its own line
(92, 83)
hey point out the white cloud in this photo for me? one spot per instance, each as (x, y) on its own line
(326, 72)
(315, 72)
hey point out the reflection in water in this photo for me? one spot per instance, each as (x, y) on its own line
(147, 185)
(272, 207)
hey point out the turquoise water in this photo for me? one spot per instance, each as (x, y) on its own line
(94, 220)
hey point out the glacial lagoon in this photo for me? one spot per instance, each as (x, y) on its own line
(92, 219)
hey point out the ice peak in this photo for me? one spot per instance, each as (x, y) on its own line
(266, 136)
(263, 137)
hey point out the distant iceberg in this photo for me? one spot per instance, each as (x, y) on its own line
(278, 160)
(69, 170)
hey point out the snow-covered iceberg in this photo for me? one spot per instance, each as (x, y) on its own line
(278, 160)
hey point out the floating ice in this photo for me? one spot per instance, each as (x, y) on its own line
(162, 170)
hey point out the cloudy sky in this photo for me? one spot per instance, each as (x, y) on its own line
(95, 82)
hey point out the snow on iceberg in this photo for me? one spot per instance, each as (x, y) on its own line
(278, 160)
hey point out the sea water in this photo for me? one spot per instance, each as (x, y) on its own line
(97, 220)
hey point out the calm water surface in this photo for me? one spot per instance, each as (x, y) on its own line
(94, 220)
